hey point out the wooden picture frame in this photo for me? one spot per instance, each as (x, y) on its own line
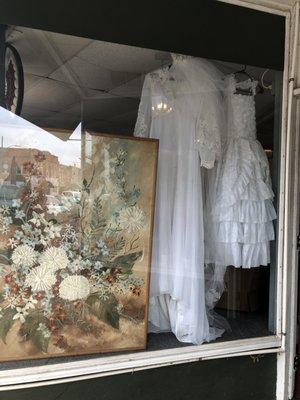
(76, 255)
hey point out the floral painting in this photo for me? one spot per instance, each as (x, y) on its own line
(75, 250)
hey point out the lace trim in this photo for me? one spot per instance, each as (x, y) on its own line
(141, 127)
(208, 144)
(179, 57)
(160, 75)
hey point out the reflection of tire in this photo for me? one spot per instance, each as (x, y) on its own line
(14, 80)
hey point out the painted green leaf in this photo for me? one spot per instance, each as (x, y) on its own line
(85, 326)
(29, 330)
(5, 256)
(96, 306)
(112, 315)
(86, 186)
(31, 324)
(117, 246)
(6, 322)
(126, 262)
(40, 341)
(132, 196)
(105, 311)
(1, 296)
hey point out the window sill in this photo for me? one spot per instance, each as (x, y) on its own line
(128, 363)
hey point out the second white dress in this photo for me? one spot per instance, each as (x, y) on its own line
(242, 214)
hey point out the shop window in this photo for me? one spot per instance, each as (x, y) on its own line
(103, 127)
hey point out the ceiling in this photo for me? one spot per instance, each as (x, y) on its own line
(67, 77)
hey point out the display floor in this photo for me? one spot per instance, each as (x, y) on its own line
(243, 325)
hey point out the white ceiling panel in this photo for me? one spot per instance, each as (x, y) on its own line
(34, 54)
(50, 95)
(132, 88)
(88, 75)
(43, 52)
(59, 120)
(67, 46)
(108, 108)
(30, 81)
(35, 113)
(122, 58)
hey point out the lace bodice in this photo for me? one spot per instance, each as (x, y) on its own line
(186, 91)
(241, 109)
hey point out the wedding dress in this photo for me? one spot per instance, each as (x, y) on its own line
(181, 106)
(243, 212)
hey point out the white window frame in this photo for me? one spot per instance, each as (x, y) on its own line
(117, 364)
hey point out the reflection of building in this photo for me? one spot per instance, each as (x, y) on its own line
(15, 176)
(12, 184)
(69, 176)
(13, 169)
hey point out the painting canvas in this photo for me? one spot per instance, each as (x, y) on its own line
(75, 243)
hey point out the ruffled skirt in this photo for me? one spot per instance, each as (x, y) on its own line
(242, 213)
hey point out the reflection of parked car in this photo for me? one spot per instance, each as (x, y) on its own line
(72, 195)
(54, 205)
(8, 193)
(52, 200)
(71, 200)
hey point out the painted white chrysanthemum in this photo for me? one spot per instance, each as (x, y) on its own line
(44, 330)
(52, 231)
(30, 303)
(24, 255)
(74, 287)
(21, 314)
(41, 278)
(131, 219)
(54, 258)
(16, 203)
(19, 214)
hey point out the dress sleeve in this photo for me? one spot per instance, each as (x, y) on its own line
(208, 133)
(143, 122)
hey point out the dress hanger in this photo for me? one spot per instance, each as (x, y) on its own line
(249, 91)
(243, 71)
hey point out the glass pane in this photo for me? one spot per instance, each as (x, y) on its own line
(78, 183)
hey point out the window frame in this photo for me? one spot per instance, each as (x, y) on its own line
(70, 371)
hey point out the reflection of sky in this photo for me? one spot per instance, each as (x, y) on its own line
(17, 132)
